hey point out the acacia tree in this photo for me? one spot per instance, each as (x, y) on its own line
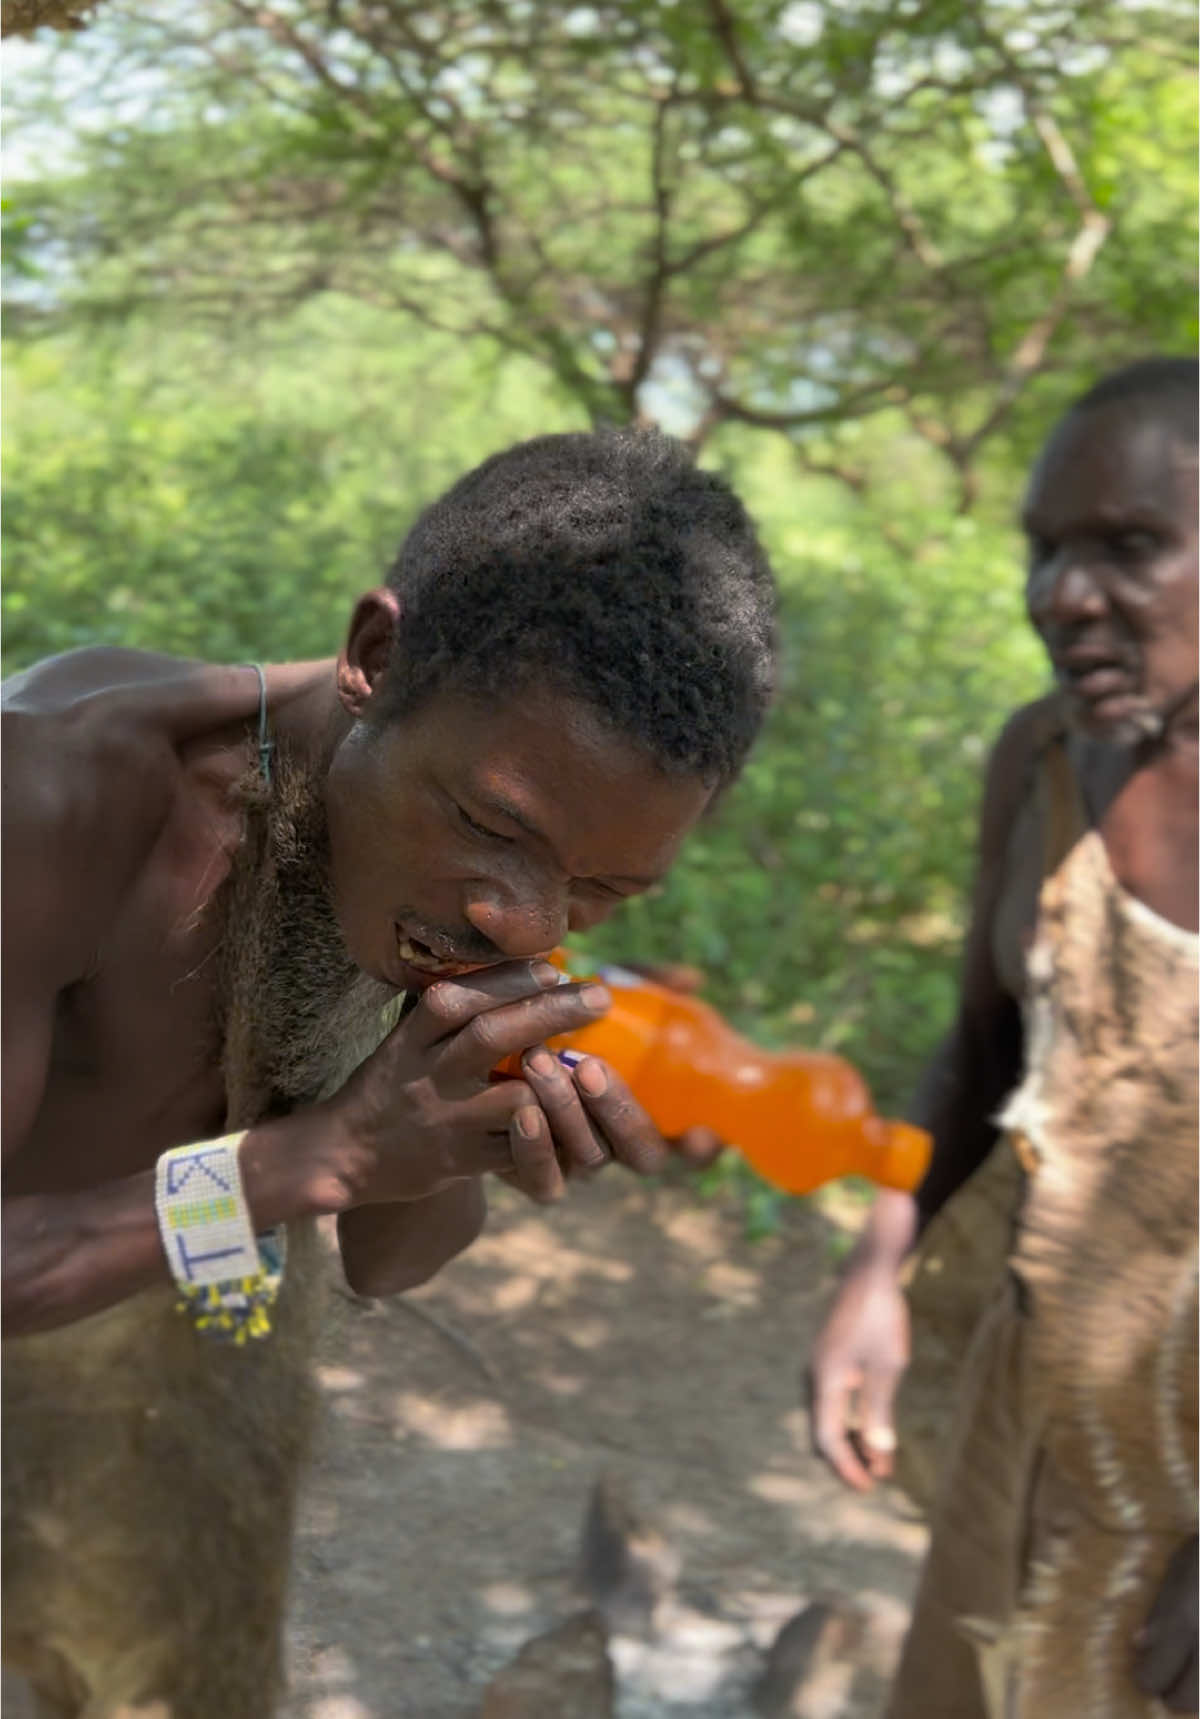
(874, 240)
(783, 213)
(22, 17)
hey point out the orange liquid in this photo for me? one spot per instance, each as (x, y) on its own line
(799, 1117)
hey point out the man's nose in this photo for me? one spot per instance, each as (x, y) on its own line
(587, 911)
(1067, 590)
(520, 930)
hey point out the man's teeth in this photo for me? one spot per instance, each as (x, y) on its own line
(428, 963)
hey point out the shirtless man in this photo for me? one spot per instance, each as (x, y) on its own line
(1061, 1581)
(216, 882)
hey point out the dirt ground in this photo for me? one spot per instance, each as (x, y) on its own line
(631, 1336)
(632, 1333)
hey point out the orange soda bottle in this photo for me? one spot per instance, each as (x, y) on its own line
(800, 1118)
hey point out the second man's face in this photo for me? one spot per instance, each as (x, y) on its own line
(1112, 588)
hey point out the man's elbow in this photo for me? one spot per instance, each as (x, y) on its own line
(390, 1266)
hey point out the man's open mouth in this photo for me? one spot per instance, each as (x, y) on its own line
(1093, 675)
(420, 956)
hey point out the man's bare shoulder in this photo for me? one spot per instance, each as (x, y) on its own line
(1029, 729)
(1021, 741)
(91, 747)
(179, 696)
(87, 787)
(82, 733)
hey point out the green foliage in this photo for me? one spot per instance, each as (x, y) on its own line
(825, 897)
(775, 212)
(278, 273)
(189, 496)
(223, 501)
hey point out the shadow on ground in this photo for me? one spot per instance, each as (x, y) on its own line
(633, 1334)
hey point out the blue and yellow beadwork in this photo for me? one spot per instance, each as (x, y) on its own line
(238, 1310)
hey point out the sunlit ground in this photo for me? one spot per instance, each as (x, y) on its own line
(635, 1333)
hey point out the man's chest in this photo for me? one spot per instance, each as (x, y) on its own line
(1148, 824)
(1149, 829)
(135, 1059)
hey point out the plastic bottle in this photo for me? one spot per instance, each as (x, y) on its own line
(799, 1117)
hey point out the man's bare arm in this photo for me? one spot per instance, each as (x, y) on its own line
(63, 885)
(70, 1254)
(862, 1349)
(388, 1249)
(979, 1060)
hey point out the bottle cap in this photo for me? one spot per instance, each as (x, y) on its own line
(906, 1160)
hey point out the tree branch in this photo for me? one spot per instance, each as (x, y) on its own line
(725, 30)
(1094, 228)
(656, 285)
(857, 405)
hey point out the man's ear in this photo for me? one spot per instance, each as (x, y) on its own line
(364, 657)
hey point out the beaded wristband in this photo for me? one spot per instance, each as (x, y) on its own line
(228, 1279)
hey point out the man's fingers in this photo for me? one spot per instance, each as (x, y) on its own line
(536, 1168)
(698, 1147)
(829, 1412)
(1184, 1694)
(1161, 1660)
(487, 1035)
(579, 1144)
(1164, 1660)
(448, 1005)
(838, 1450)
(879, 1448)
(632, 1137)
(877, 1434)
(479, 1145)
(509, 1136)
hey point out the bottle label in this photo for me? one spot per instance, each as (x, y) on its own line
(620, 978)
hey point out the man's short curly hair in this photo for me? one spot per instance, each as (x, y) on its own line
(1168, 386)
(606, 563)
